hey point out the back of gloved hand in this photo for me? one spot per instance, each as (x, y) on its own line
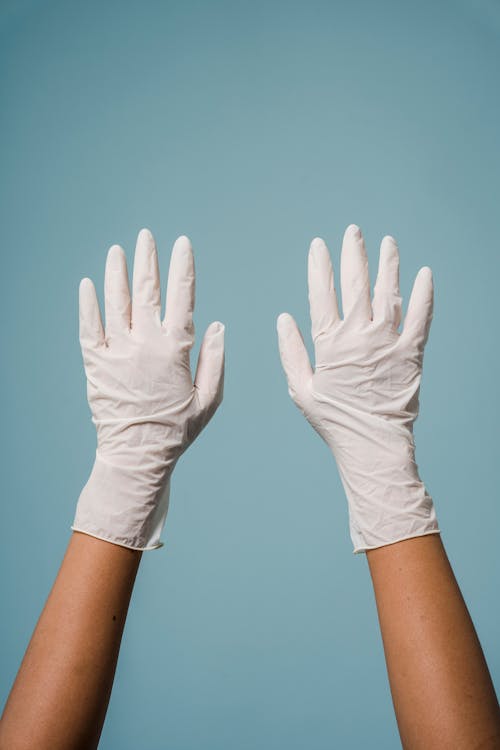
(144, 403)
(363, 395)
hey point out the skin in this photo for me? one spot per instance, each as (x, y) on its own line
(71, 659)
(442, 691)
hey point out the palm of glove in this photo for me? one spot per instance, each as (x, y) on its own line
(141, 394)
(369, 369)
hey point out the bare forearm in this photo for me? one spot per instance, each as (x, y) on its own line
(61, 693)
(441, 687)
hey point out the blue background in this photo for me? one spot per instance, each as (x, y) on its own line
(251, 127)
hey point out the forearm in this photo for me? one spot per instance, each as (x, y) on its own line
(441, 687)
(62, 690)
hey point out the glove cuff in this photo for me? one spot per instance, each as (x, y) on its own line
(391, 514)
(122, 506)
(365, 548)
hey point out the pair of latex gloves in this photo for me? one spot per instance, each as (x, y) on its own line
(361, 396)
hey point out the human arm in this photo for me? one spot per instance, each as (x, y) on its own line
(147, 409)
(441, 687)
(362, 397)
(61, 693)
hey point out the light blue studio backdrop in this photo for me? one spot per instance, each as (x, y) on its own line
(251, 127)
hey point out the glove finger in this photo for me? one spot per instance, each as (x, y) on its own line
(294, 357)
(355, 281)
(209, 378)
(180, 292)
(116, 292)
(420, 308)
(322, 296)
(145, 282)
(91, 330)
(387, 301)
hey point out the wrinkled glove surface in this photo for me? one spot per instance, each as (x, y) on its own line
(144, 403)
(363, 395)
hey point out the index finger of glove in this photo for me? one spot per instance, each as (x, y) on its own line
(322, 296)
(180, 292)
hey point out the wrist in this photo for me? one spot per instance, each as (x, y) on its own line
(124, 505)
(387, 505)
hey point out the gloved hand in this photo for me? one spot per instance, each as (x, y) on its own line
(145, 406)
(363, 395)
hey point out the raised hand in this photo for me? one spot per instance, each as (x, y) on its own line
(144, 403)
(363, 395)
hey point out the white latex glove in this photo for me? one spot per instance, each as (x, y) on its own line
(145, 406)
(363, 395)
